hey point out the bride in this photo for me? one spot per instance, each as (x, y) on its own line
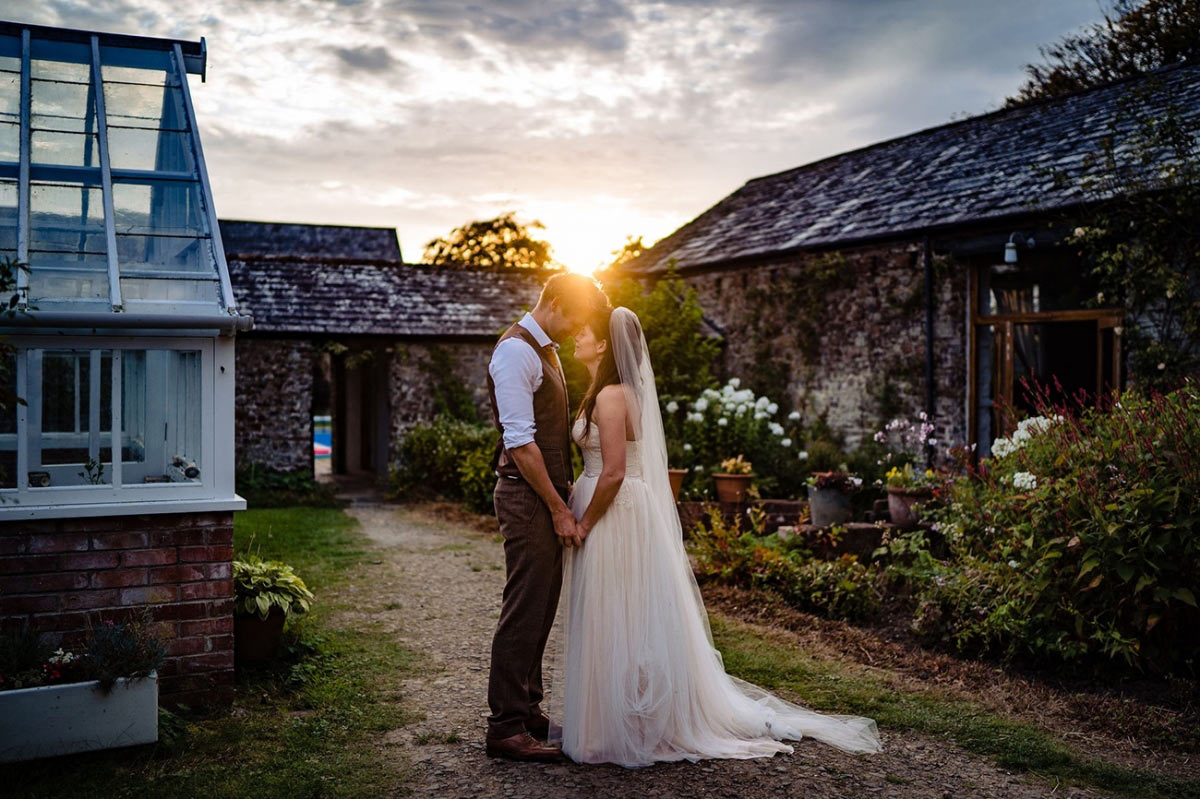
(643, 682)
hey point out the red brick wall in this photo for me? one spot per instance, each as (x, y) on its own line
(58, 572)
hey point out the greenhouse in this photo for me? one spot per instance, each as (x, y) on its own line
(118, 341)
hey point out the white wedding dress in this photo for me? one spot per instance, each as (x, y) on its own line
(640, 679)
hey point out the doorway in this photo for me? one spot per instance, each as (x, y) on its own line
(359, 410)
(1024, 334)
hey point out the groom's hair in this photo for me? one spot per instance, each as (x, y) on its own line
(574, 290)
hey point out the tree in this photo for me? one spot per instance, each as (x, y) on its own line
(1139, 235)
(632, 248)
(1134, 38)
(501, 242)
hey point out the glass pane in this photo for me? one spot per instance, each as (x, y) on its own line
(176, 253)
(48, 285)
(10, 141)
(138, 106)
(66, 218)
(8, 421)
(161, 391)
(72, 149)
(135, 65)
(10, 93)
(62, 106)
(160, 206)
(76, 417)
(79, 71)
(168, 289)
(149, 149)
(8, 215)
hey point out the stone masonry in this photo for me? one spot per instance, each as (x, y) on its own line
(870, 350)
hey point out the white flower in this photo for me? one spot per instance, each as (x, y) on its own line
(723, 421)
(933, 442)
(1013, 564)
(710, 393)
(672, 406)
(787, 442)
(922, 416)
(802, 454)
(776, 428)
(857, 481)
(742, 409)
(1024, 481)
(701, 405)
(695, 417)
(687, 447)
(761, 402)
(735, 381)
(772, 409)
(794, 416)
(697, 468)
(759, 416)
(1162, 365)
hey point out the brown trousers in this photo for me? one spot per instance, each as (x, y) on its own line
(533, 562)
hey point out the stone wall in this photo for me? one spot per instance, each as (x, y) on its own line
(61, 574)
(274, 402)
(842, 335)
(422, 370)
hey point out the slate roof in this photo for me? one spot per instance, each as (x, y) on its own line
(321, 296)
(241, 237)
(970, 171)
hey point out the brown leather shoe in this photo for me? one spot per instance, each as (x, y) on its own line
(538, 726)
(524, 746)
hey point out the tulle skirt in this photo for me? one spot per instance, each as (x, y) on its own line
(641, 681)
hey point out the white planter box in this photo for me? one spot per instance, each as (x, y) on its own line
(77, 717)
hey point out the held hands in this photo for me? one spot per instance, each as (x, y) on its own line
(569, 532)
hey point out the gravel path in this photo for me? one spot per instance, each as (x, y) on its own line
(438, 590)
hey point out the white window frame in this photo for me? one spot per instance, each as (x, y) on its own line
(214, 490)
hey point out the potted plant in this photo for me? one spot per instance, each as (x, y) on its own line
(829, 497)
(906, 487)
(733, 481)
(266, 592)
(103, 695)
(676, 453)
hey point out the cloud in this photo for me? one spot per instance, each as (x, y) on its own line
(366, 59)
(425, 114)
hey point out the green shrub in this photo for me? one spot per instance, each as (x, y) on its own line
(262, 487)
(447, 458)
(841, 588)
(1078, 539)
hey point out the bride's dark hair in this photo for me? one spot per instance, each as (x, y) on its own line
(606, 372)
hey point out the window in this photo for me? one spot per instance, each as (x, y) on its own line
(102, 187)
(145, 400)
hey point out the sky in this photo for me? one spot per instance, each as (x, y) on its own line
(599, 118)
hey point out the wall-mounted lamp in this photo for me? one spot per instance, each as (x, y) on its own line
(1010, 248)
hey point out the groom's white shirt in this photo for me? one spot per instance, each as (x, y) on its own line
(516, 371)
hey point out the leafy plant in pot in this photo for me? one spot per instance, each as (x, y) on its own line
(907, 488)
(829, 497)
(733, 481)
(266, 592)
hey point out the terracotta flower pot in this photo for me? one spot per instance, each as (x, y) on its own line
(256, 640)
(900, 504)
(732, 487)
(828, 506)
(676, 476)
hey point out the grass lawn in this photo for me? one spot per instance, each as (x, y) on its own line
(771, 661)
(305, 727)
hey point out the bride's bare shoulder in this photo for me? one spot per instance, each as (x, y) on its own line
(611, 396)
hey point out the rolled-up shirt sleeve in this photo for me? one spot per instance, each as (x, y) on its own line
(516, 371)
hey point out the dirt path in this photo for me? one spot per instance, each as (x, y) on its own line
(438, 590)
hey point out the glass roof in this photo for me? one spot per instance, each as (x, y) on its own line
(103, 190)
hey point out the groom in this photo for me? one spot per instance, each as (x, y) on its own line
(533, 460)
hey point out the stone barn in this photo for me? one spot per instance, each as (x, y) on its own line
(927, 272)
(344, 328)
